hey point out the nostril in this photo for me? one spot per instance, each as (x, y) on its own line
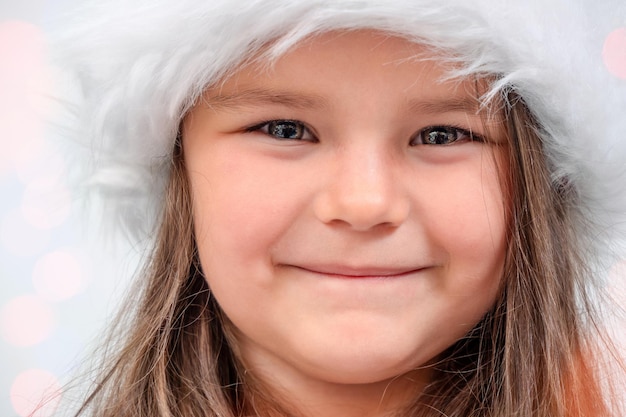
(361, 210)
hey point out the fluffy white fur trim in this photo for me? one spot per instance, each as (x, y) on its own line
(139, 66)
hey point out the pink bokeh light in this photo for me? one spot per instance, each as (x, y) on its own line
(23, 81)
(27, 320)
(58, 276)
(35, 393)
(614, 53)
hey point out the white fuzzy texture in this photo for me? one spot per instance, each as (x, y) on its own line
(141, 64)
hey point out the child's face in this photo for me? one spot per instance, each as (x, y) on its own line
(343, 248)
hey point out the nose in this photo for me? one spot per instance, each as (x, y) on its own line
(364, 191)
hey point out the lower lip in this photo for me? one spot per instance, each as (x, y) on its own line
(361, 276)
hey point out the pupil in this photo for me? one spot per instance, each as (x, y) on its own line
(440, 137)
(286, 130)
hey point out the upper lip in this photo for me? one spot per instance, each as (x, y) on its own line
(358, 271)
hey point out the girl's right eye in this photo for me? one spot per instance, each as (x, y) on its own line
(284, 130)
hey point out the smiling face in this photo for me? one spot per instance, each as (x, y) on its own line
(347, 221)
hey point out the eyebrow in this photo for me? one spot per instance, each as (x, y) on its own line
(460, 104)
(256, 97)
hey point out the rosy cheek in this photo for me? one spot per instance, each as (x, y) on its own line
(464, 213)
(242, 213)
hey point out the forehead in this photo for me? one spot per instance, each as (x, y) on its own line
(334, 66)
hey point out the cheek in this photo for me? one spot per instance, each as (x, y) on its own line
(242, 206)
(465, 214)
(233, 231)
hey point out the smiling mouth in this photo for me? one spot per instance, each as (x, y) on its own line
(357, 272)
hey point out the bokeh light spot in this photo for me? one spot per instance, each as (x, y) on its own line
(27, 320)
(35, 393)
(23, 78)
(614, 52)
(58, 276)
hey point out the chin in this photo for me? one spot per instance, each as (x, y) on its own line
(365, 363)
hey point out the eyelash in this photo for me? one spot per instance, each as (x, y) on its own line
(299, 132)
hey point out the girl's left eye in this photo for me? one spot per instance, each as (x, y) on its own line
(442, 135)
(284, 130)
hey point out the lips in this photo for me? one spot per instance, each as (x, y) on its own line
(343, 271)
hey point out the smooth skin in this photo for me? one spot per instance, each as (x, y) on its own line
(347, 221)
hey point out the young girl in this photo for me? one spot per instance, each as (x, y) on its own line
(358, 208)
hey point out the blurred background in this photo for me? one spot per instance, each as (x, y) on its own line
(58, 284)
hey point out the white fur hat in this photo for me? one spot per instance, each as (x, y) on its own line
(139, 66)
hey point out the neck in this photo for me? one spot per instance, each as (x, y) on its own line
(321, 399)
